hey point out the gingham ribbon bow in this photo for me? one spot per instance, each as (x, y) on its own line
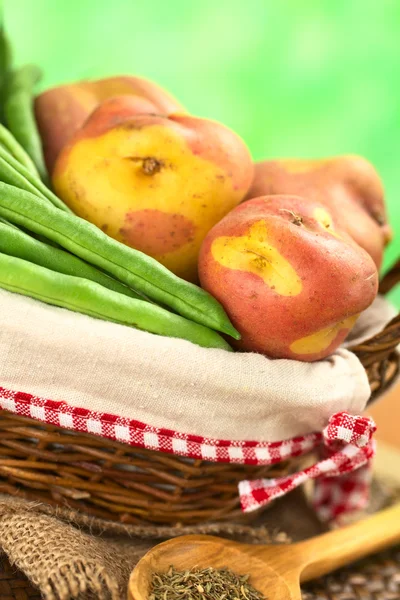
(342, 476)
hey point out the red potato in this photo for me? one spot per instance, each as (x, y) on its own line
(155, 183)
(292, 282)
(348, 186)
(61, 111)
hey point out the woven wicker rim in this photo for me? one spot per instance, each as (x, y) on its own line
(112, 480)
(378, 354)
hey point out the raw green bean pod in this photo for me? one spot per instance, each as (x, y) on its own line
(87, 297)
(19, 114)
(15, 242)
(10, 144)
(14, 173)
(35, 236)
(5, 222)
(9, 174)
(138, 271)
(5, 63)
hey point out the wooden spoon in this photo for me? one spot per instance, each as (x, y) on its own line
(275, 570)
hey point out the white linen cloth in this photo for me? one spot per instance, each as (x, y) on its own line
(60, 355)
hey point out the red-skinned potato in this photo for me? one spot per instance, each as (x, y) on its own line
(153, 182)
(61, 111)
(292, 282)
(348, 185)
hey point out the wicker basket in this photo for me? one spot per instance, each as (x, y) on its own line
(114, 481)
(14, 585)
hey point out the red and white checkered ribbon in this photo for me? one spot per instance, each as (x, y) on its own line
(342, 476)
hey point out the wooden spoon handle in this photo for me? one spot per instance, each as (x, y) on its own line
(335, 549)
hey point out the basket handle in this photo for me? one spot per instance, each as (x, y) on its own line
(378, 354)
(381, 345)
(391, 278)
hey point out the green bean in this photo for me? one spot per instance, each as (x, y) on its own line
(12, 172)
(35, 236)
(9, 143)
(10, 175)
(19, 114)
(5, 66)
(15, 242)
(25, 77)
(2, 220)
(87, 297)
(135, 269)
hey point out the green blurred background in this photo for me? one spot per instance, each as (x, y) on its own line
(300, 78)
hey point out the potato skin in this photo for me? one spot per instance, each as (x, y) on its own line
(153, 182)
(291, 281)
(61, 111)
(348, 185)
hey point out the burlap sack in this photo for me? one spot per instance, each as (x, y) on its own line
(70, 556)
(169, 383)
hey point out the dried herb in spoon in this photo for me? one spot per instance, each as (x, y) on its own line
(204, 584)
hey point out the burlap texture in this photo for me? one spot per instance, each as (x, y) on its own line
(70, 556)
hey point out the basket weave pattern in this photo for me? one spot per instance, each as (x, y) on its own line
(14, 585)
(111, 480)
